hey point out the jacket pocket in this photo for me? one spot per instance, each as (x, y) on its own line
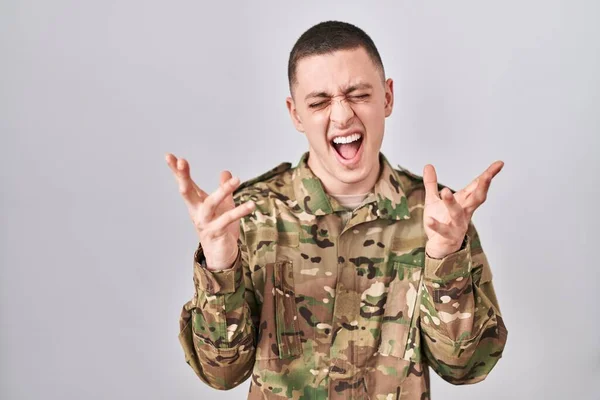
(279, 333)
(398, 317)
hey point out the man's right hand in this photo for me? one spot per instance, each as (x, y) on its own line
(215, 216)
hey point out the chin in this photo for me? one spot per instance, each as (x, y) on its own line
(352, 176)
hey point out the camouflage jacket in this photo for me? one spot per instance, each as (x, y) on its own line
(315, 309)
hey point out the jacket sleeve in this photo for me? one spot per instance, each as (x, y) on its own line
(218, 326)
(463, 333)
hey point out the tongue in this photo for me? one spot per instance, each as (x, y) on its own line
(348, 150)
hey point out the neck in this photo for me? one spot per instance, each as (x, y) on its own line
(334, 185)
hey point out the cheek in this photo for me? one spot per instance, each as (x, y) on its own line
(316, 124)
(372, 117)
(320, 119)
(315, 129)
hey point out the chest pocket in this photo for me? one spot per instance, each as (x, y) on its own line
(279, 333)
(399, 333)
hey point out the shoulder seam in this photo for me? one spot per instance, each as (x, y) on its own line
(284, 166)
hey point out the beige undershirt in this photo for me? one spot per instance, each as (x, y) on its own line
(349, 202)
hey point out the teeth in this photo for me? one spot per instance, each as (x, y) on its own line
(347, 139)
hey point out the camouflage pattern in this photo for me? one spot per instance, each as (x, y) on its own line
(313, 309)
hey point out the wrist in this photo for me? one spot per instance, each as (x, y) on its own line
(439, 252)
(219, 264)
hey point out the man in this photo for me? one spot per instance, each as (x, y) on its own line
(341, 277)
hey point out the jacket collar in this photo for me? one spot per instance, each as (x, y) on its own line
(387, 194)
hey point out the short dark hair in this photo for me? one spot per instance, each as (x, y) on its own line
(328, 37)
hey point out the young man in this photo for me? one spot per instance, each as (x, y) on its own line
(341, 277)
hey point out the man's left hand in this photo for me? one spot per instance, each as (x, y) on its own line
(447, 215)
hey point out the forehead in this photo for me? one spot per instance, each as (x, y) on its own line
(335, 71)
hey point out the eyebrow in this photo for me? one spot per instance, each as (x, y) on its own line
(348, 90)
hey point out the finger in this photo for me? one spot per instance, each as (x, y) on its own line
(184, 173)
(479, 195)
(486, 177)
(467, 190)
(440, 228)
(455, 210)
(181, 170)
(495, 168)
(490, 172)
(215, 198)
(191, 193)
(225, 176)
(172, 163)
(430, 181)
(462, 195)
(222, 222)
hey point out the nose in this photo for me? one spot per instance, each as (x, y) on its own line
(341, 112)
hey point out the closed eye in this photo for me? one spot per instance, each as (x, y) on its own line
(320, 104)
(317, 105)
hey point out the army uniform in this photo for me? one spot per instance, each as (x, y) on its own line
(318, 306)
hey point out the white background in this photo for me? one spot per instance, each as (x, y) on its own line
(96, 250)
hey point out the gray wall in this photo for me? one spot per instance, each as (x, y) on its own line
(96, 256)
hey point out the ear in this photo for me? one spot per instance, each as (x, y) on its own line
(291, 106)
(389, 97)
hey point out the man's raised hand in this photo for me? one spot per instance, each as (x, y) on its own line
(446, 216)
(215, 217)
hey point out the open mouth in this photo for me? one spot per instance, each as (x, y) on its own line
(347, 147)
